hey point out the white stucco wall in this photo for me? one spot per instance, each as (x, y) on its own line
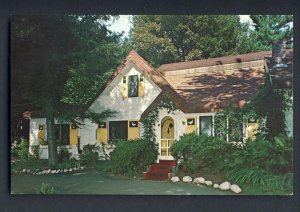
(128, 108)
(34, 129)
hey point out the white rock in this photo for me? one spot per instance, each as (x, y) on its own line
(199, 180)
(235, 188)
(57, 171)
(81, 167)
(24, 170)
(208, 183)
(216, 185)
(175, 179)
(225, 186)
(187, 179)
(48, 171)
(44, 172)
(53, 171)
(66, 170)
(70, 170)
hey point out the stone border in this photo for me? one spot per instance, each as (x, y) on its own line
(48, 171)
(225, 186)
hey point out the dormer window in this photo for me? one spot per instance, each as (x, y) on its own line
(133, 86)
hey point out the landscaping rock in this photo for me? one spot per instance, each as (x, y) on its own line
(57, 171)
(187, 179)
(53, 171)
(48, 171)
(216, 185)
(199, 180)
(208, 183)
(235, 188)
(225, 186)
(70, 170)
(175, 179)
(24, 170)
(66, 170)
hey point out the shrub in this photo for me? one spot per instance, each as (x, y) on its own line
(45, 189)
(90, 154)
(133, 156)
(182, 150)
(201, 151)
(23, 151)
(70, 163)
(63, 155)
(35, 152)
(273, 157)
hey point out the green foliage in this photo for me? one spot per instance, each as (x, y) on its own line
(63, 155)
(270, 104)
(273, 157)
(45, 189)
(201, 151)
(174, 38)
(269, 28)
(90, 154)
(66, 58)
(261, 178)
(133, 156)
(69, 163)
(23, 152)
(35, 152)
(149, 121)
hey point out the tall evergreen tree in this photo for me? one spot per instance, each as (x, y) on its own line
(269, 28)
(49, 55)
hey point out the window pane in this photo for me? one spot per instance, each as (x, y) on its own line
(65, 134)
(206, 125)
(118, 130)
(133, 86)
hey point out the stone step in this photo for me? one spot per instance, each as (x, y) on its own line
(168, 162)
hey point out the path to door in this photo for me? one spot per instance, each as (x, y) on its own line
(98, 183)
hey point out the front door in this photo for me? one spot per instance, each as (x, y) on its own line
(167, 138)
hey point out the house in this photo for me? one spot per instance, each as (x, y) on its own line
(198, 88)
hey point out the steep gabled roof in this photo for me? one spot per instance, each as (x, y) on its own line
(147, 70)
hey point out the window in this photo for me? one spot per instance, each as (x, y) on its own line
(62, 134)
(206, 125)
(133, 86)
(118, 130)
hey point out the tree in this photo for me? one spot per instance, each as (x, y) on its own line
(48, 54)
(269, 28)
(174, 38)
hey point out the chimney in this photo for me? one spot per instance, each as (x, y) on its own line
(278, 55)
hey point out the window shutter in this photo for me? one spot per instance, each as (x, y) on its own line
(102, 132)
(41, 134)
(191, 125)
(141, 86)
(252, 128)
(124, 87)
(133, 129)
(73, 135)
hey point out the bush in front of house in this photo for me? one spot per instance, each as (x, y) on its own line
(63, 155)
(195, 152)
(131, 157)
(90, 154)
(264, 164)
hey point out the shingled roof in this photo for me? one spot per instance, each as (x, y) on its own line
(210, 85)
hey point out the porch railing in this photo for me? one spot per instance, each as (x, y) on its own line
(165, 146)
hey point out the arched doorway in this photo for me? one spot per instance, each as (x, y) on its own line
(167, 137)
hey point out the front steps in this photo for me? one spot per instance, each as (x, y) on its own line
(161, 171)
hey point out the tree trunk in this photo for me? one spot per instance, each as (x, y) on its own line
(52, 146)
